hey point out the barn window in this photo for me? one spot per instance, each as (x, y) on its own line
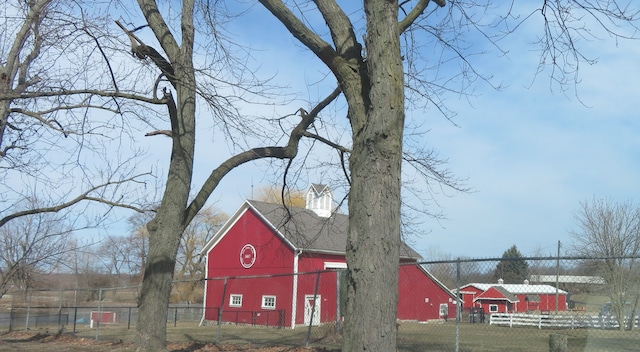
(268, 302)
(444, 310)
(493, 308)
(235, 301)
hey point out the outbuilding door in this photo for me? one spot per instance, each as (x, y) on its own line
(308, 310)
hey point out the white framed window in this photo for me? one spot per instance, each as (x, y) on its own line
(235, 301)
(268, 302)
(493, 308)
(444, 309)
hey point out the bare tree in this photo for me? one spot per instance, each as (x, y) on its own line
(177, 91)
(48, 142)
(609, 232)
(370, 74)
(190, 265)
(138, 242)
(281, 195)
(116, 254)
(32, 246)
(170, 99)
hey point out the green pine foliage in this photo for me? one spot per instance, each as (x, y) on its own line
(512, 269)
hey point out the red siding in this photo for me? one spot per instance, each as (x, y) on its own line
(273, 256)
(502, 306)
(547, 301)
(326, 292)
(420, 297)
(311, 263)
(469, 293)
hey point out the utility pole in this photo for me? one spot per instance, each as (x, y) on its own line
(557, 275)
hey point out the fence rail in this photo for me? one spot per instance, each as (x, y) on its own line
(557, 321)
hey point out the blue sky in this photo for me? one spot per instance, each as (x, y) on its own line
(530, 152)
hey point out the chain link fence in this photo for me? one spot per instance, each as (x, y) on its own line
(526, 304)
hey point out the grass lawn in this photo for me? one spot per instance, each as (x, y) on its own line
(412, 337)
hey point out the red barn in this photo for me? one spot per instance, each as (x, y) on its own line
(268, 262)
(512, 298)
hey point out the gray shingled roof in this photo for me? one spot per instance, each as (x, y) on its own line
(307, 231)
(507, 295)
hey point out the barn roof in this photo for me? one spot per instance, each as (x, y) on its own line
(569, 279)
(497, 293)
(307, 231)
(319, 187)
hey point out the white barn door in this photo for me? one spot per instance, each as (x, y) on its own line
(308, 309)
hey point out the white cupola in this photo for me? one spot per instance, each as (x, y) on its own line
(319, 199)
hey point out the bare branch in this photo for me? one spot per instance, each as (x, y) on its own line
(81, 197)
(95, 92)
(287, 152)
(306, 36)
(417, 10)
(159, 132)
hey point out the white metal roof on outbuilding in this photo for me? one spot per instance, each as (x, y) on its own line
(521, 288)
(569, 279)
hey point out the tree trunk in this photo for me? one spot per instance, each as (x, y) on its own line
(374, 199)
(154, 297)
(558, 343)
(165, 230)
(632, 314)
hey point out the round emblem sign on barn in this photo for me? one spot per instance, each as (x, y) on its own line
(247, 256)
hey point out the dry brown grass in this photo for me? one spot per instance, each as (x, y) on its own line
(413, 337)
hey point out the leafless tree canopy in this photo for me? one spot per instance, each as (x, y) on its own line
(55, 123)
(611, 231)
(30, 247)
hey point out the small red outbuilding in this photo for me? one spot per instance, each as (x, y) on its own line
(267, 263)
(512, 298)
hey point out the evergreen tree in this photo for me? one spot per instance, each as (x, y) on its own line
(512, 268)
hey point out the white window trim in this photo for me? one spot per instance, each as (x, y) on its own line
(444, 309)
(231, 297)
(335, 265)
(493, 311)
(264, 301)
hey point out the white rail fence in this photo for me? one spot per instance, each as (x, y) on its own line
(558, 321)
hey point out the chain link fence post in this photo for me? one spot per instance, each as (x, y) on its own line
(458, 305)
(313, 310)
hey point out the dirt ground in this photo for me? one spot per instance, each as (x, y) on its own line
(28, 342)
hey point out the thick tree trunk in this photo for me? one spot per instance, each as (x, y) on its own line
(374, 199)
(165, 230)
(151, 325)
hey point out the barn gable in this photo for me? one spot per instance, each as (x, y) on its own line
(497, 293)
(301, 228)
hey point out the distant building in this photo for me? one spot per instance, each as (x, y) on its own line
(512, 298)
(571, 283)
